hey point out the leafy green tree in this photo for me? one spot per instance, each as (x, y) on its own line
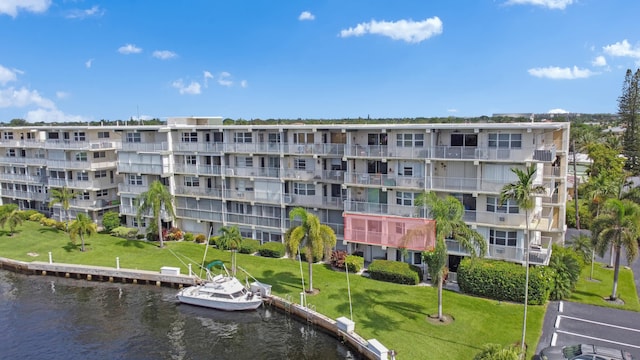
(10, 215)
(567, 265)
(583, 246)
(497, 352)
(155, 200)
(110, 220)
(311, 235)
(82, 226)
(523, 192)
(62, 196)
(448, 214)
(230, 238)
(629, 109)
(618, 226)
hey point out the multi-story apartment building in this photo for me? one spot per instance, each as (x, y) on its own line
(34, 160)
(360, 179)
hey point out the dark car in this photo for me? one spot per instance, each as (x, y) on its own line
(583, 352)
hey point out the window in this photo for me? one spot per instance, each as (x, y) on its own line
(53, 136)
(274, 138)
(304, 189)
(303, 138)
(134, 179)
(189, 137)
(509, 206)
(100, 174)
(503, 238)
(464, 140)
(79, 136)
(244, 161)
(134, 137)
(505, 141)
(400, 228)
(300, 164)
(103, 134)
(82, 176)
(410, 140)
(191, 160)
(84, 196)
(405, 198)
(8, 135)
(417, 258)
(102, 193)
(406, 171)
(143, 222)
(376, 139)
(99, 154)
(242, 137)
(11, 153)
(191, 181)
(81, 156)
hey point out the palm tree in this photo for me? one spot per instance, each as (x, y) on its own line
(618, 226)
(82, 226)
(62, 196)
(156, 199)
(230, 238)
(10, 215)
(448, 214)
(523, 192)
(311, 235)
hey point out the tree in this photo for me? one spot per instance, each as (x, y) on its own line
(618, 226)
(448, 214)
(230, 238)
(567, 265)
(155, 200)
(523, 192)
(62, 196)
(82, 226)
(312, 236)
(110, 220)
(629, 109)
(497, 352)
(10, 215)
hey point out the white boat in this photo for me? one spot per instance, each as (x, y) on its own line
(224, 292)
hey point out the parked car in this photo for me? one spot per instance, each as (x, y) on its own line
(583, 352)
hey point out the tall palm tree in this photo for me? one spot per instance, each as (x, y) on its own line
(618, 226)
(82, 226)
(448, 214)
(311, 235)
(63, 196)
(231, 238)
(10, 215)
(155, 200)
(523, 192)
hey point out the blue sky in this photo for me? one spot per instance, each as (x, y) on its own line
(66, 60)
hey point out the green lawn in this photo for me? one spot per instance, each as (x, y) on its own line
(593, 291)
(393, 314)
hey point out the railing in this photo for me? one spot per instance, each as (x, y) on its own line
(206, 147)
(144, 146)
(198, 191)
(247, 219)
(22, 178)
(28, 195)
(142, 168)
(198, 169)
(333, 175)
(132, 189)
(304, 175)
(199, 214)
(78, 184)
(382, 209)
(82, 165)
(79, 145)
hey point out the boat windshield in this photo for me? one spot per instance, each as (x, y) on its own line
(238, 294)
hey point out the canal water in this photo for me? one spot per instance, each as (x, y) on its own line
(43, 317)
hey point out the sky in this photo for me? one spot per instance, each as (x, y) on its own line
(83, 60)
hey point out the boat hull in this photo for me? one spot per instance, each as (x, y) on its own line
(244, 304)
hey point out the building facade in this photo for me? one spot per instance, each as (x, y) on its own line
(361, 180)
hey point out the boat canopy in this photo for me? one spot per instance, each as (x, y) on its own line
(217, 263)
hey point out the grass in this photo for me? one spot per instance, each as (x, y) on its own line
(393, 314)
(595, 291)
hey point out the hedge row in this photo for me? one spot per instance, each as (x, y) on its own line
(395, 272)
(249, 246)
(504, 281)
(354, 263)
(272, 249)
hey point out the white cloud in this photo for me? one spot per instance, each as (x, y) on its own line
(62, 94)
(7, 75)
(88, 63)
(164, 54)
(622, 49)
(599, 61)
(85, 13)
(244, 83)
(207, 75)
(305, 15)
(11, 97)
(53, 115)
(551, 4)
(129, 49)
(554, 72)
(406, 30)
(224, 79)
(192, 89)
(11, 7)
(557, 111)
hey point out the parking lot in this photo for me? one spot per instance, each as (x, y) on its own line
(569, 323)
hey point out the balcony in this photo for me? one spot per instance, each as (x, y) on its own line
(22, 160)
(206, 147)
(382, 209)
(25, 195)
(314, 149)
(381, 151)
(248, 219)
(352, 178)
(539, 254)
(271, 172)
(199, 214)
(333, 176)
(198, 191)
(81, 165)
(302, 175)
(93, 204)
(144, 147)
(198, 169)
(132, 189)
(153, 169)
(24, 178)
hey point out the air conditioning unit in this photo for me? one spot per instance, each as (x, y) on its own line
(501, 218)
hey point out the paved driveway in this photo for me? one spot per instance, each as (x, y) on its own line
(567, 323)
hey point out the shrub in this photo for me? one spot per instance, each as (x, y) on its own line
(249, 246)
(27, 214)
(272, 249)
(504, 281)
(214, 241)
(200, 238)
(337, 258)
(173, 234)
(303, 257)
(61, 225)
(37, 217)
(188, 236)
(567, 264)
(354, 263)
(395, 272)
(110, 220)
(48, 222)
(125, 232)
(495, 351)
